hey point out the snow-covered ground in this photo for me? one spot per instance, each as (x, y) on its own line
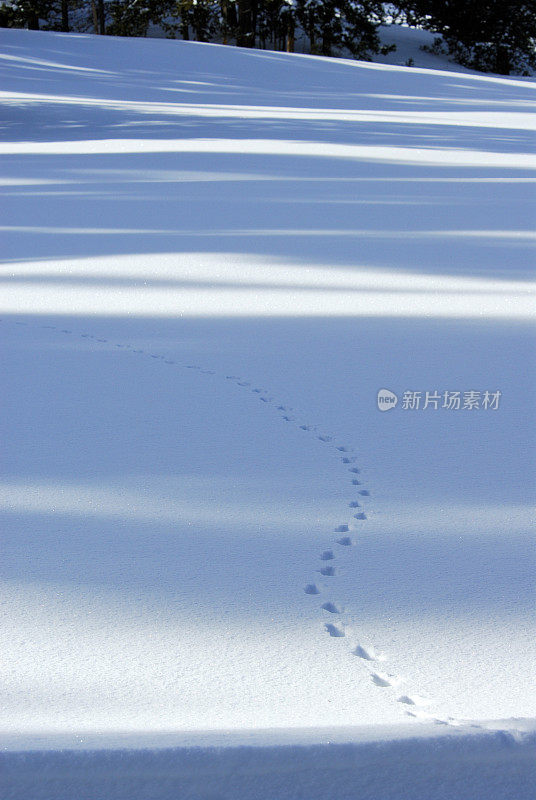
(213, 260)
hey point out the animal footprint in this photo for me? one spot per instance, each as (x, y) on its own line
(355, 482)
(334, 630)
(327, 555)
(306, 427)
(332, 608)
(367, 653)
(311, 588)
(329, 572)
(325, 438)
(343, 449)
(364, 493)
(349, 460)
(355, 504)
(345, 541)
(412, 700)
(383, 679)
(361, 515)
(355, 470)
(342, 529)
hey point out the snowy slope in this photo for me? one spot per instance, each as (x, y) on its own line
(213, 259)
(410, 44)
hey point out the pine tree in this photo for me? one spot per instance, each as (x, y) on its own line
(28, 13)
(489, 35)
(335, 25)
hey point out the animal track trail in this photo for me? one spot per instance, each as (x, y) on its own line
(366, 653)
(413, 703)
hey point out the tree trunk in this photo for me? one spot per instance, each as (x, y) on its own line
(100, 9)
(311, 34)
(502, 60)
(290, 37)
(254, 15)
(247, 23)
(94, 15)
(33, 20)
(65, 16)
(224, 5)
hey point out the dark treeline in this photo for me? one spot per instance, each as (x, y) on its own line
(489, 35)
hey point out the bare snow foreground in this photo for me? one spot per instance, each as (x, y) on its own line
(226, 574)
(389, 766)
